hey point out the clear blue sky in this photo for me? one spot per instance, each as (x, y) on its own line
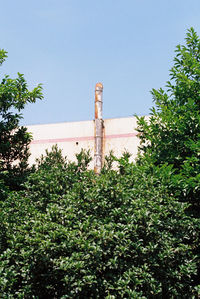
(69, 45)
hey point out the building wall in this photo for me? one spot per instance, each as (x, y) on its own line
(119, 135)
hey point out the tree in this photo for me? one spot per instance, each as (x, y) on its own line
(126, 233)
(72, 234)
(172, 134)
(14, 139)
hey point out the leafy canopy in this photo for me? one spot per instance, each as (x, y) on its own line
(72, 234)
(172, 134)
(127, 233)
(14, 139)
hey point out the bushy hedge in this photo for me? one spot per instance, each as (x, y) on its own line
(72, 234)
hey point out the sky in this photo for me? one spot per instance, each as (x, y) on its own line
(70, 45)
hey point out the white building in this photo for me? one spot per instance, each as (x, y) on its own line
(119, 135)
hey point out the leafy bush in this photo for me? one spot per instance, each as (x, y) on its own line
(127, 233)
(14, 139)
(72, 234)
(172, 134)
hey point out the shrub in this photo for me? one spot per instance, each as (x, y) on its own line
(72, 234)
(172, 134)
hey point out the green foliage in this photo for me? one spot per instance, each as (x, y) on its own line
(14, 140)
(3, 55)
(72, 234)
(172, 134)
(132, 232)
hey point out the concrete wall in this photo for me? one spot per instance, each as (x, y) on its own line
(71, 137)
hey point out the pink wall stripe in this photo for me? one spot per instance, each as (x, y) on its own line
(86, 138)
(127, 135)
(56, 140)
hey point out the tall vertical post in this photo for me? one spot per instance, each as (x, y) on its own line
(98, 128)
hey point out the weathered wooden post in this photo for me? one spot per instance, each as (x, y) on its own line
(98, 128)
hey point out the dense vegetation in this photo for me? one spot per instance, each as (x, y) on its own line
(173, 133)
(132, 232)
(14, 139)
